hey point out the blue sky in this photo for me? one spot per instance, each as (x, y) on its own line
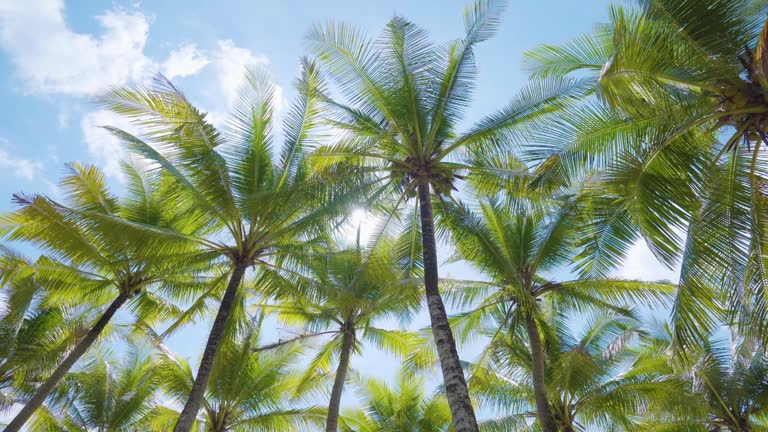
(54, 55)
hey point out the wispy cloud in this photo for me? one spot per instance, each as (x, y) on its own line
(641, 264)
(19, 167)
(107, 150)
(184, 61)
(231, 62)
(49, 57)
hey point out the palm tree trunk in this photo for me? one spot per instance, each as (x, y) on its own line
(189, 413)
(540, 394)
(334, 406)
(453, 375)
(50, 384)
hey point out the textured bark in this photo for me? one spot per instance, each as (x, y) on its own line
(539, 391)
(189, 413)
(50, 384)
(453, 375)
(334, 406)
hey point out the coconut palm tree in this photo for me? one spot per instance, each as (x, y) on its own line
(91, 262)
(404, 408)
(260, 201)
(589, 382)
(249, 391)
(678, 122)
(36, 345)
(104, 395)
(345, 293)
(32, 339)
(405, 98)
(518, 248)
(721, 385)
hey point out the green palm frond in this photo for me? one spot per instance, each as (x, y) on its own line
(102, 395)
(717, 384)
(586, 381)
(248, 390)
(674, 130)
(404, 407)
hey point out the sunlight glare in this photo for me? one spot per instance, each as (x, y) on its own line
(363, 220)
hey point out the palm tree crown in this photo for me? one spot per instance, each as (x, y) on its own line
(258, 202)
(103, 395)
(516, 247)
(404, 407)
(89, 261)
(720, 385)
(404, 100)
(676, 129)
(248, 391)
(345, 293)
(590, 382)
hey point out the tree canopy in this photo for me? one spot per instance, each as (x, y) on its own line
(651, 129)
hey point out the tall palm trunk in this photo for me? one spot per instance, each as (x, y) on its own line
(347, 340)
(453, 375)
(189, 413)
(539, 392)
(44, 390)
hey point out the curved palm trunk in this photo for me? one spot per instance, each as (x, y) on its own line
(334, 406)
(453, 375)
(189, 413)
(50, 384)
(537, 354)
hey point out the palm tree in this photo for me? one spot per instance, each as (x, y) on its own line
(517, 247)
(29, 354)
(719, 386)
(258, 200)
(344, 294)
(590, 382)
(678, 123)
(32, 339)
(404, 408)
(405, 99)
(248, 390)
(90, 262)
(103, 395)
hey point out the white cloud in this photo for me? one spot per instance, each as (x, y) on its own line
(217, 118)
(230, 62)
(103, 146)
(641, 264)
(184, 61)
(24, 168)
(49, 57)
